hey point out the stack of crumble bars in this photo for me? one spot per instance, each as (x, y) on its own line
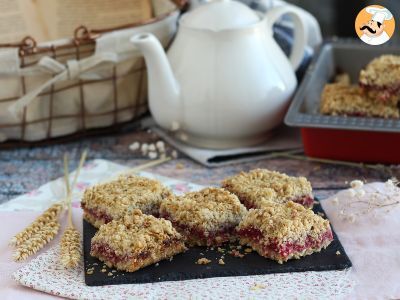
(141, 222)
(376, 95)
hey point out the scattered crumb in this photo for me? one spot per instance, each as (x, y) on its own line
(144, 148)
(321, 214)
(89, 272)
(103, 270)
(203, 261)
(212, 248)
(356, 184)
(220, 250)
(95, 264)
(134, 146)
(153, 155)
(174, 154)
(160, 146)
(239, 247)
(114, 271)
(157, 264)
(236, 253)
(109, 274)
(315, 202)
(221, 261)
(257, 286)
(201, 253)
(248, 250)
(338, 252)
(180, 166)
(171, 258)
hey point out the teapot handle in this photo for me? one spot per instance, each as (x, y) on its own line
(300, 33)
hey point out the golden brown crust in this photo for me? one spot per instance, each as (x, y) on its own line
(260, 186)
(380, 79)
(116, 198)
(382, 71)
(210, 209)
(135, 234)
(286, 222)
(338, 99)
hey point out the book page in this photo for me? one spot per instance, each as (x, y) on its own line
(47, 20)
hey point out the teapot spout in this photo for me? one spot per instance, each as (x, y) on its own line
(163, 88)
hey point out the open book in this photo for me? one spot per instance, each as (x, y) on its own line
(47, 20)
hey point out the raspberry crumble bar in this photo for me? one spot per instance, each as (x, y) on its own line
(284, 231)
(135, 241)
(259, 186)
(381, 79)
(346, 100)
(109, 201)
(207, 217)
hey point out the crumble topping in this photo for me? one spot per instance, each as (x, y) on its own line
(288, 222)
(338, 99)
(127, 192)
(382, 71)
(260, 186)
(135, 233)
(343, 78)
(210, 209)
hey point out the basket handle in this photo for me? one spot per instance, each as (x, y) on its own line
(71, 70)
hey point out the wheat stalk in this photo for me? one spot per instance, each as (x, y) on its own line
(70, 245)
(50, 215)
(46, 226)
(37, 241)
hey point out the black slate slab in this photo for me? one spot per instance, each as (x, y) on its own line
(183, 267)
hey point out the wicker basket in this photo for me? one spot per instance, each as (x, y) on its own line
(67, 87)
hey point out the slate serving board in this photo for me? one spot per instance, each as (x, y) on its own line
(183, 267)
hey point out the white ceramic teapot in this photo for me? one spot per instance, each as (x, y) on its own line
(225, 80)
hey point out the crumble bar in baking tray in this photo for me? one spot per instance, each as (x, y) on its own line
(361, 139)
(185, 266)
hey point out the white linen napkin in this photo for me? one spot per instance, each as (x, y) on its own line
(367, 221)
(285, 138)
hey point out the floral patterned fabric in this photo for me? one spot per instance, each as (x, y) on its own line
(45, 274)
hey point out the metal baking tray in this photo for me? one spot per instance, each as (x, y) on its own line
(324, 136)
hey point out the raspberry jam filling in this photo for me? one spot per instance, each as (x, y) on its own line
(210, 238)
(286, 248)
(108, 253)
(98, 214)
(307, 201)
(386, 92)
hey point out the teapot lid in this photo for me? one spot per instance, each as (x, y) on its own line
(219, 15)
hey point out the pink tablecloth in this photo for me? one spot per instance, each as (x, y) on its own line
(12, 223)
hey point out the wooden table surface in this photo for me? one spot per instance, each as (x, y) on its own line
(24, 169)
